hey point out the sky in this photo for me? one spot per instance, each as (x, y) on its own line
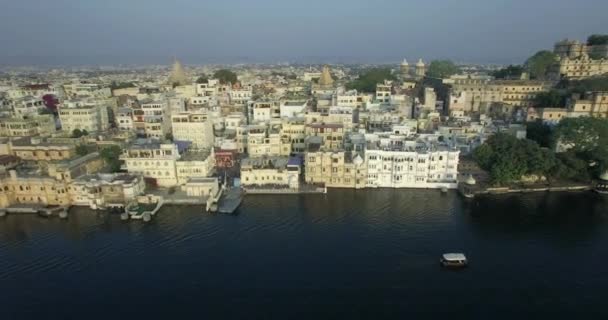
(76, 32)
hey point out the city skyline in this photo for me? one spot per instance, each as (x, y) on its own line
(73, 33)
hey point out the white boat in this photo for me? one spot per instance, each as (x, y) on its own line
(453, 260)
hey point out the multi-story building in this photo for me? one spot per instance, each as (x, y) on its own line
(395, 162)
(196, 127)
(165, 165)
(581, 67)
(154, 161)
(102, 190)
(594, 104)
(479, 94)
(37, 149)
(38, 125)
(383, 92)
(275, 172)
(124, 119)
(336, 169)
(32, 189)
(27, 106)
(240, 96)
(292, 108)
(295, 132)
(331, 133)
(90, 118)
(153, 120)
(264, 141)
(194, 164)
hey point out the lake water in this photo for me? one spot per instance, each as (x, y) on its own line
(348, 254)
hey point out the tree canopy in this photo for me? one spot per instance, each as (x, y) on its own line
(540, 63)
(551, 99)
(587, 139)
(202, 79)
(442, 69)
(367, 80)
(508, 159)
(77, 133)
(111, 156)
(540, 133)
(122, 85)
(584, 85)
(509, 72)
(225, 76)
(597, 39)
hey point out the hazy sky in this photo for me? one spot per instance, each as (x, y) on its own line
(201, 31)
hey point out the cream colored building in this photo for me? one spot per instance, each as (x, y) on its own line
(154, 161)
(32, 189)
(194, 164)
(332, 134)
(196, 127)
(37, 149)
(264, 141)
(582, 67)
(274, 172)
(479, 94)
(335, 169)
(97, 191)
(594, 104)
(38, 125)
(295, 132)
(89, 118)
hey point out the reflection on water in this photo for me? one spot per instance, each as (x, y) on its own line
(349, 253)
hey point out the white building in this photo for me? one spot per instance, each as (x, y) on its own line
(194, 127)
(394, 162)
(90, 118)
(154, 161)
(292, 109)
(124, 119)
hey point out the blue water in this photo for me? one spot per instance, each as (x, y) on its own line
(349, 254)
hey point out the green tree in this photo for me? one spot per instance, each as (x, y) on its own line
(442, 69)
(507, 158)
(76, 133)
(551, 99)
(587, 138)
(368, 79)
(202, 79)
(509, 72)
(540, 133)
(540, 63)
(225, 76)
(597, 39)
(111, 156)
(82, 150)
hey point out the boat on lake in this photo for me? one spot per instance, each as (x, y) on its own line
(454, 260)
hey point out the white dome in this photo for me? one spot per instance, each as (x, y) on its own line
(419, 63)
(358, 160)
(404, 62)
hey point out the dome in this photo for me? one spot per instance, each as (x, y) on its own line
(419, 63)
(470, 180)
(178, 76)
(358, 160)
(326, 79)
(604, 176)
(404, 62)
